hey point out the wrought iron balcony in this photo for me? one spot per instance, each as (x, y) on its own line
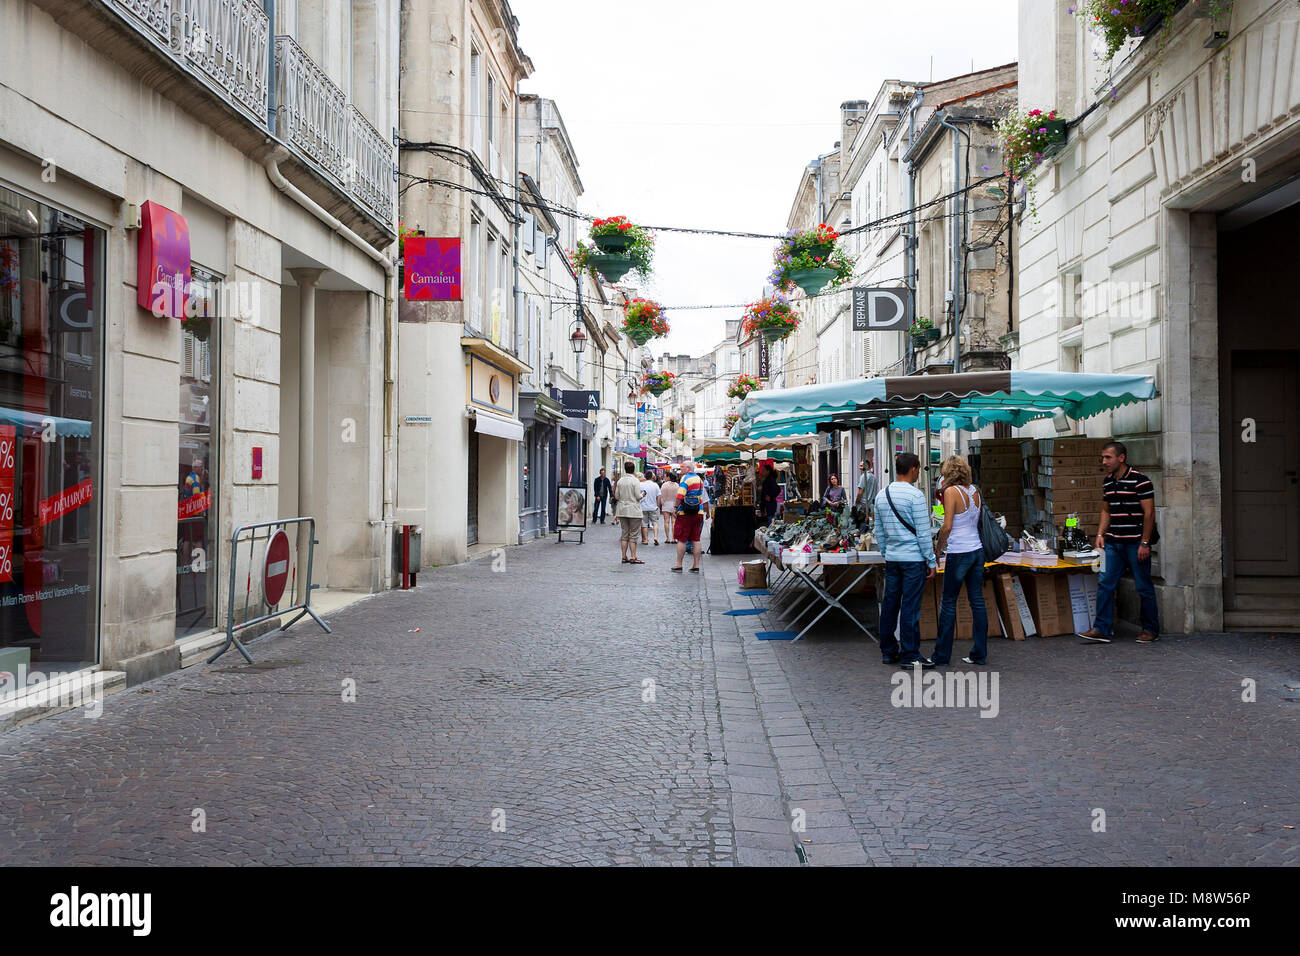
(370, 167)
(225, 41)
(311, 112)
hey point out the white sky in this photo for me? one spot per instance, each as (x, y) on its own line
(704, 113)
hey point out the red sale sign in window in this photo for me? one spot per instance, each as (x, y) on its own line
(7, 433)
(70, 499)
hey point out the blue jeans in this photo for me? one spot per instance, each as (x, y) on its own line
(966, 568)
(904, 584)
(599, 513)
(1118, 557)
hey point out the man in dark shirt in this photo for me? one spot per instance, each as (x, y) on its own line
(1128, 524)
(601, 492)
(770, 491)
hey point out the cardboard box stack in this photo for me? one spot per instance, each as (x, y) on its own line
(1063, 476)
(999, 478)
(1049, 602)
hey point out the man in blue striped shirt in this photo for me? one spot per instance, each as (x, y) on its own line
(903, 536)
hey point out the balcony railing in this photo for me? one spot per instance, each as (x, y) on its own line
(153, 16)
(311, 112)
(226, 40)
(370, 167)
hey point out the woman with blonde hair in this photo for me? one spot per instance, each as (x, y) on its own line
(964, 563)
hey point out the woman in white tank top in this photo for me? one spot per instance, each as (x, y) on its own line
(964, 563)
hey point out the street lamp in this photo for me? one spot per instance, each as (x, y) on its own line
(578, 339)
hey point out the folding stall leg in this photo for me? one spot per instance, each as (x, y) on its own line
(833, 600)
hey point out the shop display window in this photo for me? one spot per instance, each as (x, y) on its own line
(51, 372)
(196, 470)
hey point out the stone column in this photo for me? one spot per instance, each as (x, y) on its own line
(306, 279)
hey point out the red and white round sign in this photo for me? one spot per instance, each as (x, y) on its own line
(275, 573)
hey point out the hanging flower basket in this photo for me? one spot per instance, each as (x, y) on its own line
(932, 334)
(616, 239)
(742, 385)
(1026, 140)
(772, 317)
(810, 259)
(643, 320)
(812, 281)
(729, 422)
(1117, 21)
(656, 383)
(612, 267)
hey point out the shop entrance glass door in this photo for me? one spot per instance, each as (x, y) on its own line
(51, 342)
(196, 472)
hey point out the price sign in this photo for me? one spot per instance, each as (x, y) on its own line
(6, 557)
(6, 505)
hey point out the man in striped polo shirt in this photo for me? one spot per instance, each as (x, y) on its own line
(1128, 521)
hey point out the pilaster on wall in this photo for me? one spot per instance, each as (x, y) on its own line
(1191, 514)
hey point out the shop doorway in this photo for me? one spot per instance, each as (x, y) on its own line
(1259, 401)
(196, 474)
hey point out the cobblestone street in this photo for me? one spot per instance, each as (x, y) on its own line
(511, 728)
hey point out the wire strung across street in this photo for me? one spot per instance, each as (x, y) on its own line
(445, 152)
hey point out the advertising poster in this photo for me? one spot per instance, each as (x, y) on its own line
(432, 269)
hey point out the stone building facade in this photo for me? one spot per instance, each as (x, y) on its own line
(1165, 230)
(258, 154)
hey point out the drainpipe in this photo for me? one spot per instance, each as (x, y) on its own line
(958, 239)
(910, 250)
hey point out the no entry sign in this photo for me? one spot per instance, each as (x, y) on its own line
(275, 573)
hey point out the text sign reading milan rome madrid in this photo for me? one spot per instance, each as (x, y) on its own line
(432, 268)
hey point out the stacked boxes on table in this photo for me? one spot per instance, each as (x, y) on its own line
(999, 478)
(1069, 475)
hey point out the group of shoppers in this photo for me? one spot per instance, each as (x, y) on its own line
(640, 501)
(903, 535)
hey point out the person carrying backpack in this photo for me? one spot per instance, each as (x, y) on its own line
(692, 507)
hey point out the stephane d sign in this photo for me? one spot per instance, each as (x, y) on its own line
(881, 310)
(432, 268)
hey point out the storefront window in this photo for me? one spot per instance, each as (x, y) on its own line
(51, 341)
(196, 553)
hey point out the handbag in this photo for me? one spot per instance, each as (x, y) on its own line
(993, 537)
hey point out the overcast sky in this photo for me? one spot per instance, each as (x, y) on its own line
(704, 113)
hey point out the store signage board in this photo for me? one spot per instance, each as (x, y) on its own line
(163, 261)
(432, 268)
(417, 419)
(275, 570)
(881, 310)
(578, 402)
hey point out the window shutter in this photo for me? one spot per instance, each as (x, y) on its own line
(187, 356)
(526, 232)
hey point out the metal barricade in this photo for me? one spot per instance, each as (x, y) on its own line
(302, 607)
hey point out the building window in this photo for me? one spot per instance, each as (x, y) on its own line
(196, 550)
(476, 98)
(51, 446)
(474, 263)
(491, 116)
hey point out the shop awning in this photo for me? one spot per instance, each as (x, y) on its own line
(498, 426)
(777, 454)
(63, 427)
(715, 446)
(966, 401)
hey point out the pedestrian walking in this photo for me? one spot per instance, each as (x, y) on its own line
(866, 486)
(692, 508)
(964, 562)
(668, 505)
(903, 535)
(1125, 535)
(627, 509)
(649, 509)
(770, 493)
(600, 493)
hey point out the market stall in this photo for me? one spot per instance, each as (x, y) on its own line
(1047, 489)
(736, 512)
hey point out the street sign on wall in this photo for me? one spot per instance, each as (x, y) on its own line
(881, 310)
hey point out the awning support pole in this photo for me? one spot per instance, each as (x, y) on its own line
(929, 482)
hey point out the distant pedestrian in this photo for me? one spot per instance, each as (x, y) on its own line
(866, 486)
(1126, 533)
(770, 492)
(668, 505)
(601, 492)
(834, 495)
(903, 536)
(964, 563)
(649, 509)
(627, 509)
(692, 508)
